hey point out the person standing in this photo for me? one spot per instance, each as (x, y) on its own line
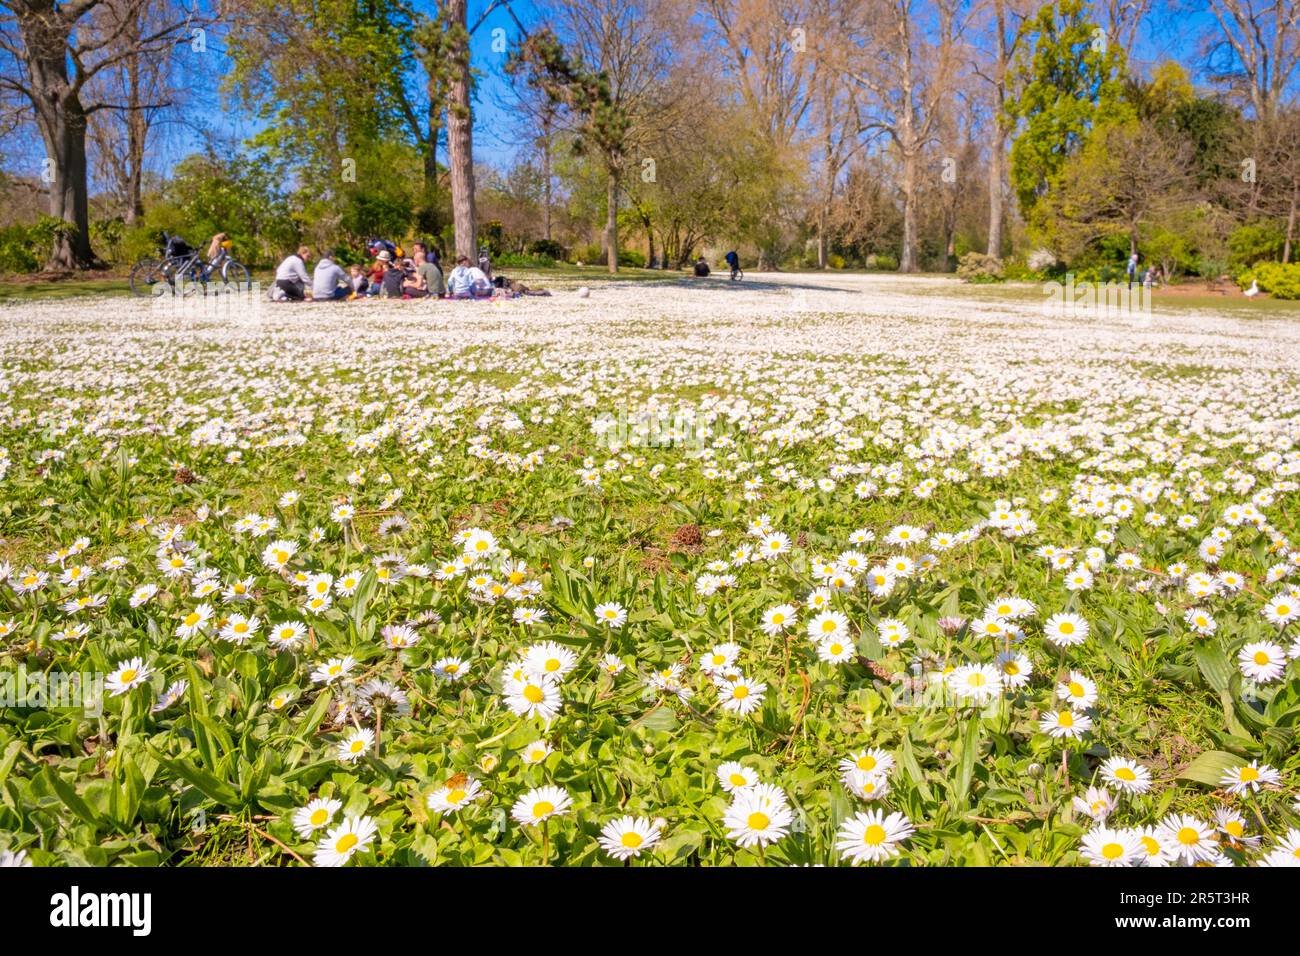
(291, 275)
(1132, 269)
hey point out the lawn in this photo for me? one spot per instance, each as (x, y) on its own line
(805, 570)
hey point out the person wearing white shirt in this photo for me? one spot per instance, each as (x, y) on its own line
(291, 275)
(468, 282)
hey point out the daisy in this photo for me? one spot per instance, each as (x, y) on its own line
(754, 818)
(742, 696)
(872, 837)
(129, 674)
(612, 664)
(612, 614)
(1066, 630)
(1015, 667)
(1282, 610)
(239, 629)
(194, 622)
(1262, 661)
(835, 651)
(1097, 803)
(336, 668)
(629, 836)
(736, 777)
(170, 696)
(866, 786)
(316, 814)
(450, 669)
(1250, 777)
(1127, 775)
(286, 636)
(345, 841)
(1079, 692)
(533, 696)
(535, 752)
(976, 683)
(356, 744)
(1106, 847)
(1188, 838)
(1156, 848)
(455, 794)
(1286, 852)
(871, 760)
(549, 659)
(1065, 723)
(540, 804)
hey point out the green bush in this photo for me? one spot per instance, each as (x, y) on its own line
(17, 250)
(883, 262)
(835, 261)
(547, 248)
(589, 254)
(978, 267)
(512, 260)
(631, 258)
(1278, 280)
(1255, 242)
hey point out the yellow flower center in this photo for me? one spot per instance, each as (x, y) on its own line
(1076, 689)
(533, 694)
(873, 835)
(542, 808)
(1125, 773)
(128, 675)
(346, 842)
(1066, 719)
(319, 817)
(192, 619)
(758, 821)
(1248, 774)
(456, 796)
(1112, 851)
(631, 840)
(1188, 836)
(1261, 658)
(740, 693)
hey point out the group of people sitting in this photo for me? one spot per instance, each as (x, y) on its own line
(390, 275)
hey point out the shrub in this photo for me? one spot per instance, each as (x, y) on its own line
(883, 262)
(589, 254)
(835, 261)
(631, 258)
(547, 248)
(1278, 280)
(978, 267)
(513, 260)
(1255, 242)
(17, 250)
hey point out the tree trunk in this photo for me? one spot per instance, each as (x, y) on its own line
(907, 261)
(611, 219)
(460, 142)
(64, 133)
(61, 119)
(1290, 224)
(997, 155)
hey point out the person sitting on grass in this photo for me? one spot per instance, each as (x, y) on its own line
(376, 276)
(467, 281)
(412, 283)
(358, 280)
(329, 283)
(701, 268)
(393, 279)
(431, 280)
(291, 276)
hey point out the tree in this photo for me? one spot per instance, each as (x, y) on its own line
(1127, 179)
(1067, 78)
(54, 50)
(613, 89)
(909, 72)
(1257, 51)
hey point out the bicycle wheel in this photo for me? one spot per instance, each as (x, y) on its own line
(145, 274)
(234, 277)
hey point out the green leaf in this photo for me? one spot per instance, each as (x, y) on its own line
(1214, 667)
(1210, 767)
(966, 764)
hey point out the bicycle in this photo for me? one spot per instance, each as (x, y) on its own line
(183, 265)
